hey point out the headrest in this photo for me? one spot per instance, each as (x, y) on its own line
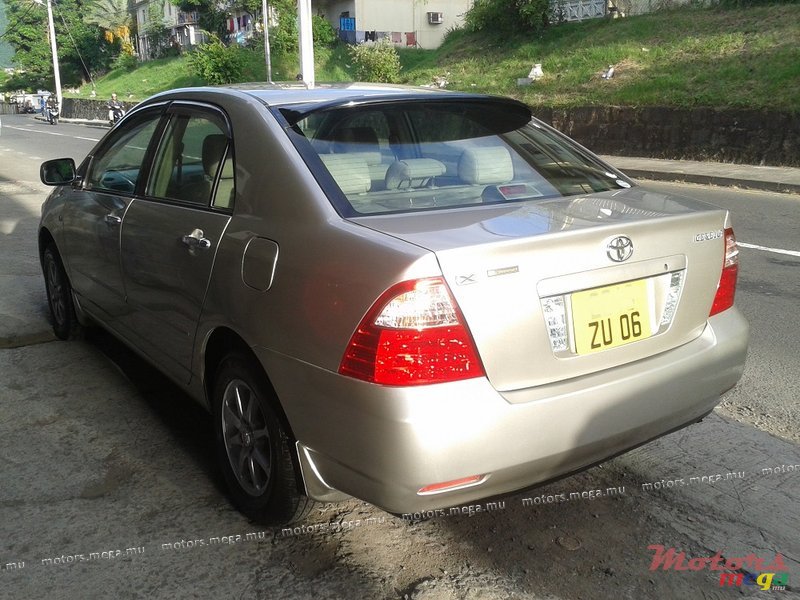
(355, 139)
(213, 152)
(412, 172)
(350, 172)
(488, 165)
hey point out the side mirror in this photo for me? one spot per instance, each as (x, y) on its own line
(59, 171)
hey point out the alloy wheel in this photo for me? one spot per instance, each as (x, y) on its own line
(246, 437)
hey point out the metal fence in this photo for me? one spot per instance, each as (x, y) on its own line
(578, 10)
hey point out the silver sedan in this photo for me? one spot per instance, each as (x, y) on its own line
(417, 298)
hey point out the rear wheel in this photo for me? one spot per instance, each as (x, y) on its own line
(59, 296)
(253, 450)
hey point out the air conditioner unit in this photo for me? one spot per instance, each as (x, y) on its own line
(435, 18)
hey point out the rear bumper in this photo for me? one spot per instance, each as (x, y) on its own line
(383, 444)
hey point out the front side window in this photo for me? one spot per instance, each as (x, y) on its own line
(417, 155)
(194, 155)
(117, 166)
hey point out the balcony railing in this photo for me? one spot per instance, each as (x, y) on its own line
(187, 18)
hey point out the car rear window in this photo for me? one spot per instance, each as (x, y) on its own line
(420, 155)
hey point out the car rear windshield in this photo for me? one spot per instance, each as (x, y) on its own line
(409, 156)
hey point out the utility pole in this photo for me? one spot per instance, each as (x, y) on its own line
(306, 42)
(51, 27)
(267, 57)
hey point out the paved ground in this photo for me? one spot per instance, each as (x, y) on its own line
(770, 179)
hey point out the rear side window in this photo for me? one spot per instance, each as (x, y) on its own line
(418, 155)
(193, 157)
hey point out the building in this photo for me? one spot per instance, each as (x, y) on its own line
(181, 29)
(419, 23)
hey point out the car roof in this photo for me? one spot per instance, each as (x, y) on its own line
(282, 94)
(295, 93)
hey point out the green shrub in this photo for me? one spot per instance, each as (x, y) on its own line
(376, 61)
(324, 33)
(125, 61)
(217, 64)
(508, 16)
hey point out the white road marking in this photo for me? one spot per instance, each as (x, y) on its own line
(774, 250)
(30, 130)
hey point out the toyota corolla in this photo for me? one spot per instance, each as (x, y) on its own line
(418, 298)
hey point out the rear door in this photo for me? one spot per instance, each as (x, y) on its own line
(171, 235)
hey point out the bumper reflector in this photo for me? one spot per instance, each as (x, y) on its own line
(448, 486)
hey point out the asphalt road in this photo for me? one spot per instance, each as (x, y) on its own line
(767, 227)
(99, 454)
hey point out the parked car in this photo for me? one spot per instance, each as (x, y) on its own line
(418, 298)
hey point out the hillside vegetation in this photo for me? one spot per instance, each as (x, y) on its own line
(746, 58)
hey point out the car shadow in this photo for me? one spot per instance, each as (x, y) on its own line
(188, 423)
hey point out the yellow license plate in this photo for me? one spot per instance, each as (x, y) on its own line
(611, 316)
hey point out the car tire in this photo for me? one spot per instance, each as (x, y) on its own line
(59, 296)
(253, 450)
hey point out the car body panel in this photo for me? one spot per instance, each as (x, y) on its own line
(401, 439)
(91, 223)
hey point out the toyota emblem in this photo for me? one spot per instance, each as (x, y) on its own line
(620, 248)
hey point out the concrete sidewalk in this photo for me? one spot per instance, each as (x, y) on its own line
(771, 179)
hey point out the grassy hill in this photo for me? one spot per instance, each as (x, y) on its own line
(690, 57)
(748, 58)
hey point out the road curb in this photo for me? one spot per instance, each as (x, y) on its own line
(86, 122)
(26, 339)
(750, 184)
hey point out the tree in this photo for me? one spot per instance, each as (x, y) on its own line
(114, 18)
(80, 44)
(6, 51)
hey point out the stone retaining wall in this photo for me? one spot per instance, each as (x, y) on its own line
(738, 136)
(79, 108)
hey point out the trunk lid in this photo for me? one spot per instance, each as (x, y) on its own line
(554, 289)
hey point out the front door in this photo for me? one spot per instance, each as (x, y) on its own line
(93, 216)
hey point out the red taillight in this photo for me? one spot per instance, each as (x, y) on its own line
(726, 289)
(414, 334)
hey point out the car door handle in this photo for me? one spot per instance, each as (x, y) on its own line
(196, 240)
(113, 220)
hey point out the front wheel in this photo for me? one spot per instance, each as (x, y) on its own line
(59, 296)
(252, 447)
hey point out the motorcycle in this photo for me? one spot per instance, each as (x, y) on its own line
(52, 114)
(115, 114)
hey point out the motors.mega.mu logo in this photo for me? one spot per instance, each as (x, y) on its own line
(766, 575)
